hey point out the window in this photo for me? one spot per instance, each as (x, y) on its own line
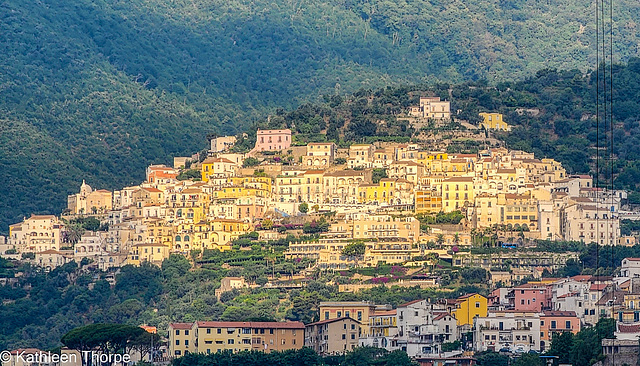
(186, 332)
(326, 315)
(359, 315)
(177, 342)
(208, 330)
(477, 305)
(186, 342)
(553, 324)
(230, 341)
(219, 331)
(339, 314)
(177, 331)
(567, 324)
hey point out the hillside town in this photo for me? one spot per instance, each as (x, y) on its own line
(367, 205)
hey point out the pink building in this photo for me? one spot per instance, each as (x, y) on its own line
(273, 140)
(532, 297)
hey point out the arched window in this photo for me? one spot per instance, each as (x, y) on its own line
(178, 238)
(186, 238)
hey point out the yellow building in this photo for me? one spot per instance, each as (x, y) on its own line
(356, 310)
(467, 307)
(217, 167)
(517, 210)
(382, 324)
(388, 190)
(240, 191)
(494, 121)
(456, 193)
(428, 201)
(147, 252)
(215, 336)
(182, 339)
(261, 183)
(160, 232)
(225, 230)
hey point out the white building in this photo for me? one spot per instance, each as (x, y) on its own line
(630, 267)
(516, 331)
(590, 224)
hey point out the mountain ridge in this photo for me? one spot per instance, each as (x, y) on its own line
(101, 89)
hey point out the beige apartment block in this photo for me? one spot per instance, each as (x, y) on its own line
(332, 336)
(319, 154)
(360, 156)
(211, 337)
(38, 233)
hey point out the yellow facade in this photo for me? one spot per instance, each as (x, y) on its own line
(428, 201)
(261, 183)
(380, 323)
(240, 191)
(468, 307)
(456, 193)
(381, 192)
(213, 167)
(494, 121)
(148, 252)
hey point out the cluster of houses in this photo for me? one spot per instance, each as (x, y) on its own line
(514, 320)
(374, 191)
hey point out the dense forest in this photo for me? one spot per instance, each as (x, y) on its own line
(100, 89)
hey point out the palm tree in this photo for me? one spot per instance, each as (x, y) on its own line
(474, 236)
(440, 239)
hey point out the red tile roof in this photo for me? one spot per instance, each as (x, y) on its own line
(409, 303)
(276, 325)
(598, 287)
(628, 328)
(181, 325)
(441, 316)
(327, 321)
(560, 313)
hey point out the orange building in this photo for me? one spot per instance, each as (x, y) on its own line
(556, 322)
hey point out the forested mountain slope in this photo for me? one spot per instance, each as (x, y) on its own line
(98, 89)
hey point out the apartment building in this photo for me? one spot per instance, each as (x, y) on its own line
(332, 336)
(514, 331)
(319, 154)
(211, 337)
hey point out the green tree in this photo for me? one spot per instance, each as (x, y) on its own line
(354, 249)
(491, 359)
(378, 174)
(176, 265)
(528, 359)
(250, 162)
(303, 207)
